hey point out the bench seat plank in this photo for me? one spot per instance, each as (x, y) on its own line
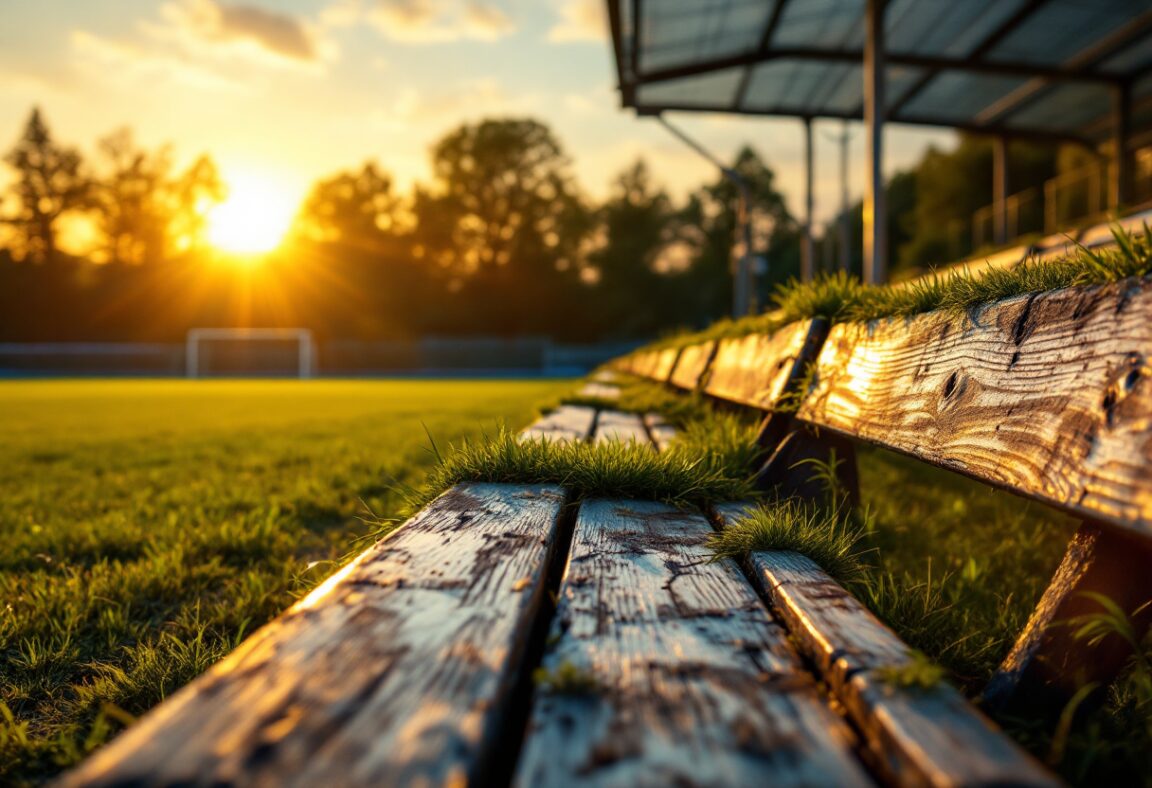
(691, 365)
(661, 431)
(919, 736)
(755, 370)
(1047, 395)
(568, 422)
(613, 425)
(398, 670)
(693, 682)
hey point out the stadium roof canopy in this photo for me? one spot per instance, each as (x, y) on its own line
(1042, 68)
(1063, 70)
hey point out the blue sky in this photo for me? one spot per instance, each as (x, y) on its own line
(291, 90)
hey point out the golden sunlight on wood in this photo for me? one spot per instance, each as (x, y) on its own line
(253, 218)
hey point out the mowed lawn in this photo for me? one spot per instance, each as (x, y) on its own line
(148, 526)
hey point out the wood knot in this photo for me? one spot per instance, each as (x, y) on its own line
(1124, 381)
(951, 384)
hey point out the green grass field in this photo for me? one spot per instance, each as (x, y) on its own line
(149, 525)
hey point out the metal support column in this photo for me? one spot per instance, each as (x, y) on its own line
(845, 226)
(1000, 190)
(808, 256)
(1120, 182)
(875, 213)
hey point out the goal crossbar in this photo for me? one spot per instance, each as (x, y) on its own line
(305, 345)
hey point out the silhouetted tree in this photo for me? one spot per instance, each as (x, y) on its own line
(505, 220)
(145, 212)
(635, 225)
(49, 182)
(355, 208)
(709, 225)
(503, 195)
(191, 195)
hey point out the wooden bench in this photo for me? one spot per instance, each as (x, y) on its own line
(1047, 396)
(654, 664)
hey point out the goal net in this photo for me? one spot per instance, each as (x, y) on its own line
(250, 352)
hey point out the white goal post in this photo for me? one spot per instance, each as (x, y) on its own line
(306, 348)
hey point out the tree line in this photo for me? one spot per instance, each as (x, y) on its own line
(501, 241)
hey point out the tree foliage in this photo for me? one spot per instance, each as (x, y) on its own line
(49, 182)
(146, 212)
(358, 208)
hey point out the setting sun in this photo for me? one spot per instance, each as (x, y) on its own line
(254, 217)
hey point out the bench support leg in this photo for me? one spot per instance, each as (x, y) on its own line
(792, 470)
(1047, 665)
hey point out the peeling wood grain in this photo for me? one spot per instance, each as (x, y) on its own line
(692, 365)
(692, 681)
(1049, 395)
(397, 670)
(566, 423)
(661, 431)
(1047, 665)
(758, 369)
(917, 736)
(613, 425)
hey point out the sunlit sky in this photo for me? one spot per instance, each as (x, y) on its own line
(286, 91)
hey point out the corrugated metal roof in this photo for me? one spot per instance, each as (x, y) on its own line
(1027, 67)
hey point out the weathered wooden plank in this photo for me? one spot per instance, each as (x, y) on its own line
(688, 681)
(638, 363)
(757, 369)
(1053, 246)
(918, 736)
(396, 671)
(691, 365)
(1101, 234)
(978, 264)
(596, 390)
(1049, 395)
(612, 425)
(656, 364)
(568, 422)
(661, 431)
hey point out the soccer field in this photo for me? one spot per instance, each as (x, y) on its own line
(149, 525)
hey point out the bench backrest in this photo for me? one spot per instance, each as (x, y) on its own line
(1046, 395)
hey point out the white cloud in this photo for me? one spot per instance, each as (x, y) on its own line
(580, 20)
(204, 44)
(209, 28)
(122, 61)
(440, 21)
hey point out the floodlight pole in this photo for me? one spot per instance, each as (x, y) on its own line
(843, 228)
(1120, 180)
(743, 290)
(875, 212)
(845, 231)
(808, 260)
(1000, 189)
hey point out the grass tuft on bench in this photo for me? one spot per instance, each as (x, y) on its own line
(960, 291)
(840, 297)
(818, 532)
(709, 463)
